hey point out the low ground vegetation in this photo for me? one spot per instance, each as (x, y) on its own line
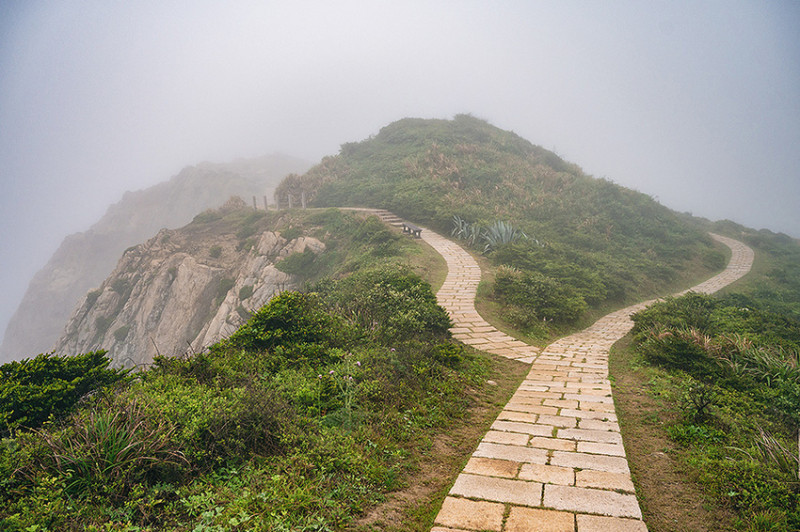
(727, 379)
(305, 417)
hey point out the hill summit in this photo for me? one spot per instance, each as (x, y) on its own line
(601, 241)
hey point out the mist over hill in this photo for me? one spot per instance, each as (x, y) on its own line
(85, 259)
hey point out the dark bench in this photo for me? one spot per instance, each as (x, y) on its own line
(412, 229)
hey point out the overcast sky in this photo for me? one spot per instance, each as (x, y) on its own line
(695, 103)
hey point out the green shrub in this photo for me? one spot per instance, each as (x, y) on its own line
(214, 425)
(34, 390)
(292, 233)
(542, 296)
(298, 263)
(223, 287)
(121, 333)
(293, 327)
(388, 303)
(245, 292)
(91, 298)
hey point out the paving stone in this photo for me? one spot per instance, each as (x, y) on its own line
(599, 436)
(535, 520)
(548, 474)
(498, 489)
(588, 414)
(558, 421)
(580, 397)
(596, 462)
(610, 449)
(596, 407)
(552, 443)
(474, 515)
(589, 500)
(527, 394)
(596, 523)
(522, 417)
(596, 424)
(531, 409)
(508, 438)
(524, 428)
(588, 478)
(492, 467)
(513, 453)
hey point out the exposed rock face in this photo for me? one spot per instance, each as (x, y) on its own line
(83, 260)
(179, 292)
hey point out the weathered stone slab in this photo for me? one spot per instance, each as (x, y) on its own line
(595, 523)
(588, 500)
(498, 489)
(535, 520)
(474, 515)
(512, 452)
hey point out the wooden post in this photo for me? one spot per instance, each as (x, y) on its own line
(266, 205)
(303, 198)
(289, 197)
(254, 204)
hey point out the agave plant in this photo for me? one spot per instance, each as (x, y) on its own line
(460, 227)
(471, 232)
(500, 233)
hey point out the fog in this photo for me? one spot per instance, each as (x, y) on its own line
(694, 103)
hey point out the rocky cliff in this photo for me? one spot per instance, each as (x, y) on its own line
(83, 260)
(184, 289)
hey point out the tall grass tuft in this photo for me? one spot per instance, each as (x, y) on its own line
(111, 447)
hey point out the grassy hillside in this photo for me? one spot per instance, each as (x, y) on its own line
(327, 401)
(303, 419)
(588, 243)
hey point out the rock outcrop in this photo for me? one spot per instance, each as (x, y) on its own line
(180, 291)
(83, 260)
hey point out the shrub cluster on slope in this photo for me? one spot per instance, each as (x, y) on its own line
(49, 386)
(300, 420)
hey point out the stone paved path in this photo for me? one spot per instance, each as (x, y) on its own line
(554, 460)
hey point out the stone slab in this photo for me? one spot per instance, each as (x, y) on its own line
(474, 515)
(596, 523)
(533, 429)
(588, 478)
(548, 474)
(596, 462)
(589, 500)
(492, 467)
(535, 520)
(498, 489)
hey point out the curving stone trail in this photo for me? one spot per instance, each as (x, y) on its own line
(554, 460)
(457, 297)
